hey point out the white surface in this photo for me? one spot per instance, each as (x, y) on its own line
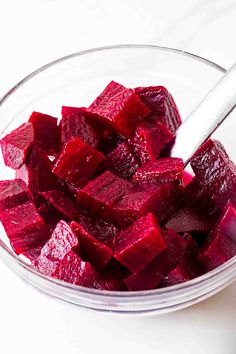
(35, 32)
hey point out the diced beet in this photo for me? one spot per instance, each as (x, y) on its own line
(37, 173)
(62, 241)
(187, 268)
(220, 245)
(74, 124)
(13, 193)
(138, 203)
(16, 146)
(165, 170)
(75, 271)
(100, 195)
(119, 107)
(45, 131)
(24, 227)
(210, 154)
(216, 172)
(162, 106)
(187, 178)
(77, 162)
(160, 266)
(109, 281)
(148, 141)
(136, 246)
(186, 220)
(121, 162)
(63, 205)
(198, 198)
(101, 230)
(169, 198)
(95, 251)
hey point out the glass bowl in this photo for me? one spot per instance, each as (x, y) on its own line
(76, 80)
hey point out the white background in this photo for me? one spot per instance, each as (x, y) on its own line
(35, 32)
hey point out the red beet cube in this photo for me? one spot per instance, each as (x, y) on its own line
(186, 220)
(95, 251)
(198, 198)
(160, 266)
(187, 268)
(24, 227)
(101, 230)
(16, 146)
(109, 281)
(121, 162)
(138, 203)
(119, 107)
(161, 104)
(37, 173)
(75, 124)
(13, 193)
(64, 206)
(45, 131)
(75, 271)
(148, 141)
(220, 245)
(165, 170)
(101, 194)
(216, 172)
(136, 246)
(62, 241)
(77, 162)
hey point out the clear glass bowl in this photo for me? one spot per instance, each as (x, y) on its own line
(76, 80)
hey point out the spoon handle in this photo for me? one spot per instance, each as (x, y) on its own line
(206, 117)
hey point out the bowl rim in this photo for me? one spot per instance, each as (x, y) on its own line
(175, 289)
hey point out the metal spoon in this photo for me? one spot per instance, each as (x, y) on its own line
(206, 117)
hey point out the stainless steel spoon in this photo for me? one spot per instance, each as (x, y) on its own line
(206, 117)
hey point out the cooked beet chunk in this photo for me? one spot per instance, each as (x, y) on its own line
(101, 194)
(75, 271)
(77, 162)
(64, 206)
(62, 241)
(45, 131)
(16, 146)
(75, 124)
(160, 266)
(101, 230)
(162, 106)
(37, 173)
(165, 170)
(119, 107)
(187, 220)
(121, 162)
(188, 266)
(13, 193)
(138, 203)
(148, 141)
(95, 251)
(198, 198)
(136, 246)
(216, 172)
(109, 281)
(24, 227)
(220, 245)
